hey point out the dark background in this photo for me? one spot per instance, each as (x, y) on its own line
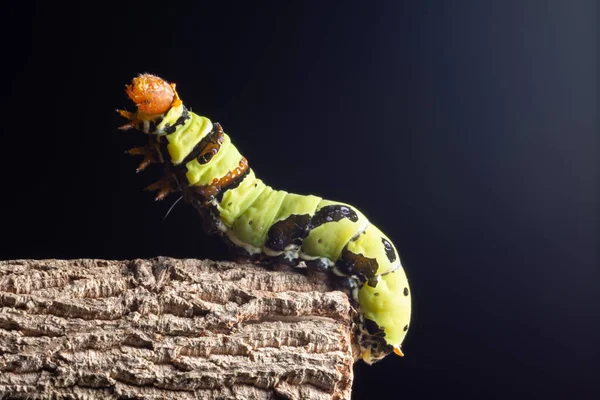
(467, 131)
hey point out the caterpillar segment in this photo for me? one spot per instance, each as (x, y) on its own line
(264, 224)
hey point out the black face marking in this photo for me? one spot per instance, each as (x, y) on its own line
(288, 231)
(352, 264)
(180, 121)
(406, 291)
(389, 250)
(333, 213)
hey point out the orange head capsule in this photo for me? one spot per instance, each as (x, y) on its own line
(151, 94)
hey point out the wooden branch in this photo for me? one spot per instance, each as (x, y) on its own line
(170, 329)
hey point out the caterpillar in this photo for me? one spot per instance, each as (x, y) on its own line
(268, 225)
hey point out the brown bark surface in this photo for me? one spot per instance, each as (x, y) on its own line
(170, 329)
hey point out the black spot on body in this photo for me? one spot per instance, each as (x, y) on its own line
(373, 281)
(373, 328)
(405, 328)
(406, 291)
(389, 250)
(352, 264)
(291, 230)
(180, 121)
(152, 125)
(332, 213)
(373, 339)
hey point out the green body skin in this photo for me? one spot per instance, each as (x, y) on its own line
(337, 236)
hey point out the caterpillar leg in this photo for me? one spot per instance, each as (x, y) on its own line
(239, 259)
(132, 124)
(151, 153)
(165, 186)
(347, 285)
(317, 266)
(126, 114)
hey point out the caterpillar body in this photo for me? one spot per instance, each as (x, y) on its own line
(270, 225)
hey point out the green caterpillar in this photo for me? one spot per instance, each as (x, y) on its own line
(265, 224)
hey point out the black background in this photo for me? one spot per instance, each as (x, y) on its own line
(467, 131)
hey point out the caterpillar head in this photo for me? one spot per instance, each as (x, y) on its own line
(153, 97)
(158, 110)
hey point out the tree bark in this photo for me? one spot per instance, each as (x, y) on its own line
(171, 329)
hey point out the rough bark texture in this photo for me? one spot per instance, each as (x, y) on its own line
(170, 329)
